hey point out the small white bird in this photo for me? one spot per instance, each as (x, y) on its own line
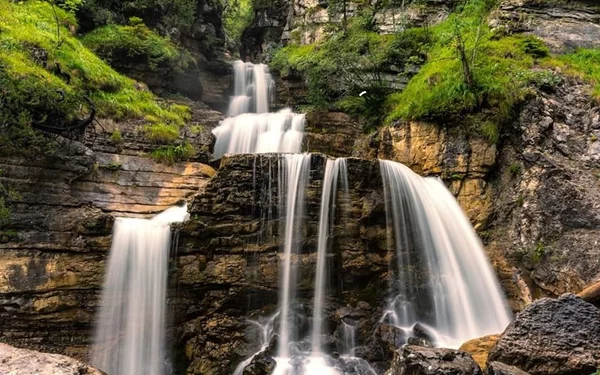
(362, 93)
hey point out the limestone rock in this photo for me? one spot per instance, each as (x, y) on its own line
(16, 361)
(552, 337)
(479, 348)
(564, 26)
(416, 360)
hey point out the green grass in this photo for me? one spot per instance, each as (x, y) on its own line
(135, 42)
(587, 63)
(45, 73)
(172, 154)
(500, 67)
(350, 60)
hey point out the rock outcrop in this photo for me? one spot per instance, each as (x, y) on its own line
(418, 360)
(552, 337)
(15, 361)
(563, 25)
(52, 252)
(229, 258)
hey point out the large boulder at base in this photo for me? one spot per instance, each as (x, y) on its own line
(16, 361)
(479, 348)
(552, 337)
(498, 368)
(418, 360)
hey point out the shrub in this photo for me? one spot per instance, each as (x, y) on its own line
(158, 14)
(119, 45)
(237, 15)
(46, 74)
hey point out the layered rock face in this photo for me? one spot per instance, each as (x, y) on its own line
(563, 25)
(52, 253)
(229, 258)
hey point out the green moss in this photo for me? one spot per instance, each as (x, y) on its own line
(132, 43)
(172, 154)
(45, 74)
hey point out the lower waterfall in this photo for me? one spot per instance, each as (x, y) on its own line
(440, 281)
(130, 333)
(442, 278)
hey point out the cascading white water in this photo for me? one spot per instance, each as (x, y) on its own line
(434, 241)
(297, 168)
(333, 170)
(249, 127)
(129, 337)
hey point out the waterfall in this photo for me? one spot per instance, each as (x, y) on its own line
(250, 128)
(297, 168)
(442, 277)
(349, 339)
(333, 169)
(129, 336)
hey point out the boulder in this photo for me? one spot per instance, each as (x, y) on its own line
(417, 360)
(479, 348)
(16, 361)
(498, 368)
(552, 337)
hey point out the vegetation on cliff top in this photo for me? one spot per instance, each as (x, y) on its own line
(49, 79)
(469, 75)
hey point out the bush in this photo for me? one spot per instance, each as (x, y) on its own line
(121, 45)
(237, 15)
(157, 14)
(46, 74)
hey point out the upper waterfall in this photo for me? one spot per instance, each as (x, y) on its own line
(250, 128)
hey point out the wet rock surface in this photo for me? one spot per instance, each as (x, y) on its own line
(16, 361)
(552, 337)
(417, 360)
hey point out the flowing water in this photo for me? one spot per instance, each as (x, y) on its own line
(440, 279)
(250, 128)
(130, 332)
(442, 276)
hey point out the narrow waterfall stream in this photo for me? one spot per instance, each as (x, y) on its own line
(130, 333)
(440, 281)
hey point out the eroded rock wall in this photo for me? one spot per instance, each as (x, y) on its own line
(53, 250)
